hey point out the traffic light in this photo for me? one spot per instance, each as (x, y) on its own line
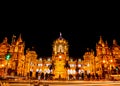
(8, 56)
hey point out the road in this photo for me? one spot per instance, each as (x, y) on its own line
(66, 83)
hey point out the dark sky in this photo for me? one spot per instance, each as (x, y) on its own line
(78, 41)
(80, 27)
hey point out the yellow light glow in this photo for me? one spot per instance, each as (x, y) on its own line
(3, 65)
(111, 60)
(60, 57)
(103, 61)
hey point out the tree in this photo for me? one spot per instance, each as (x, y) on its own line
(67, 65)
(52, 66)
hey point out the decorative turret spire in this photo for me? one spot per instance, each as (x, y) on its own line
(5, 40)
(114, 42)
(60, 35)
(20, 39)
(101, 41)
(13, 38)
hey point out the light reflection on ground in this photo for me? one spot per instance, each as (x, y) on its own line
(86, 85)
(65, 83)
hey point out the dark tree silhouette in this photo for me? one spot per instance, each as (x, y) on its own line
(67, 65)
(52, 66)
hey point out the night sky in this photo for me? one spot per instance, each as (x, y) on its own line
(78, 41)
(81, 28)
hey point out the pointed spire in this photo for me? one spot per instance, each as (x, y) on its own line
(5, 40)
(100, 41)
(114, 42)
(106, 42)
(92, 51)
(13, 38)
(87, 49)
(33, 48)
(60, 35)
(20, 39)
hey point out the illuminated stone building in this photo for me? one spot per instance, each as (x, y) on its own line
(60, 64)
(26, 63)
(60, 56)
(64, 65)
(104, 61)
(89, 61)
(105, 57)
(4, 47)
(30, 63)
(72, 68)
(16, 49)
(17, 55)
(116, 54)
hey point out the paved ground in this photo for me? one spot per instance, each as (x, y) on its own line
(64, 83)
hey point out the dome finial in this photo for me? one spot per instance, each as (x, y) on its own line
(60, 35)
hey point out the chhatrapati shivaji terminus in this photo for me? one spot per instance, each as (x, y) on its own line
(100, 63)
